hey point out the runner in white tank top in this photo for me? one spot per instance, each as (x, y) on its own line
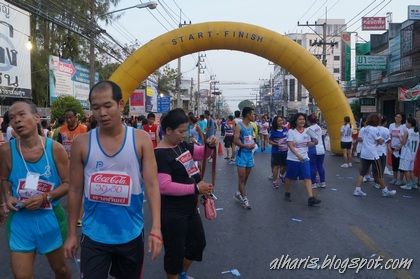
(106, 165)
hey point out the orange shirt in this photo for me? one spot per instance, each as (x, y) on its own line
(66, 136)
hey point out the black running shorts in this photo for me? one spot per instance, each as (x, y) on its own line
(119, 260)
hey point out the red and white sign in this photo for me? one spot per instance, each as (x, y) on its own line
(409, 94)
(137, 106)
(43, 187)
(187, 161)
(110, 187)
(373, 23)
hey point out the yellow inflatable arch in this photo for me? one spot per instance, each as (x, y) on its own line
(246, 38)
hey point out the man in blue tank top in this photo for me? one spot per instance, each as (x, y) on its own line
(108, 167)
(244, 140)
(34, 176)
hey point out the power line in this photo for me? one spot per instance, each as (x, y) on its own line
(168, 10)
(167, 21)
(326, 1)
(304, 14)
(181, 10)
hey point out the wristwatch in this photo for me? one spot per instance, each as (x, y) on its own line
(49, 198)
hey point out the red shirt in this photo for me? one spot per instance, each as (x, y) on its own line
(152, 131)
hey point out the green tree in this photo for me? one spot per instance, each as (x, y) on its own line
(62, 103)
(355, 108)
(245, 103)
(166, 80)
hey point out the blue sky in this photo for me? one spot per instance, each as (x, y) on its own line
(277, 15)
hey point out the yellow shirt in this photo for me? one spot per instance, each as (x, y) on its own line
(254, 129)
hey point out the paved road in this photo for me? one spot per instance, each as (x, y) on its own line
(249, 241)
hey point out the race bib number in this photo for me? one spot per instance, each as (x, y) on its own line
(110, 187)
(42, 187)
(67, 145)
(187, 161)
(248, 140)
(152, 135)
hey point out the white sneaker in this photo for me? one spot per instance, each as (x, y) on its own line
(245, 203)
(377, 186)
(414, 185)
(399, 183)
(359, 193)
(315, 185)
(238, 197)
(388, 193)
(270, 177)
(232, 162)
(322, 185)
(350, 165)
(344, 166)
(387, 171)
(393, 181)
(406, 187)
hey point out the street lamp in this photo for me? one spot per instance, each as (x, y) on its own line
(151, 5)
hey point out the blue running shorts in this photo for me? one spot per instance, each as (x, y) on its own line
(41, 230)
(295, 170)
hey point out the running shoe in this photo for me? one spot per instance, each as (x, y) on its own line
(377, 186)
(322, 185)
(406, 187)
(313, 201)
(287, 197)
(314, 185)
(350, 165)
(276, 185)
(183, 275)
(414, 185)
(270, 177)
(245, 203)
(393, 181)
(238, 197)
(399, 183)
(344, 166)
(232, 162)
(359, 193)
(227, 158)
(388, 193)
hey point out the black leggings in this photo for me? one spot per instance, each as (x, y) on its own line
(183, 232)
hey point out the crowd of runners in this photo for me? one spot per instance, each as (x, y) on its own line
(105, 167)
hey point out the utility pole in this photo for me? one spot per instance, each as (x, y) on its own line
(178, 78)
(323, 41)
(200, 70)
(190, 105)
(92, 44)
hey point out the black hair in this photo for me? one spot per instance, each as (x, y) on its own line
(383, 121)
(293, 122)
(151, 114)
(107, 84)
(347, 120)
(31, 105)
(201, 116)
(413, 123)
(230, 117)
(206, 112)
(312, 118)
(71, 110)
(274, 122)
(237, 113)
(192, 118)
(44, 123)
(173, 119)
(5, 123)
(246, 111)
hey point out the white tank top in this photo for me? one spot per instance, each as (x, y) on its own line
(113, 170)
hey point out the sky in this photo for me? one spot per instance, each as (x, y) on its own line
(238, 67)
